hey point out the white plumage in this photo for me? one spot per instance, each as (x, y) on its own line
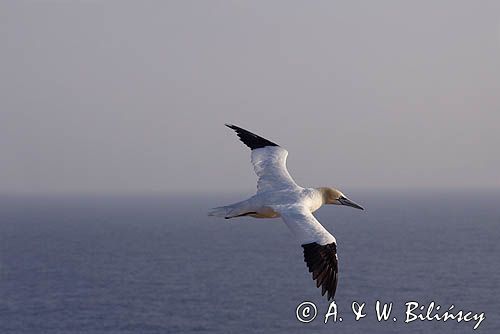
(279, 196)
(269, 163)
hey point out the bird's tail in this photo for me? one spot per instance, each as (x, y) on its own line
(221, 211)
(239, 209)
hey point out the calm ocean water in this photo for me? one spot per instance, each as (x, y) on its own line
(153, 264)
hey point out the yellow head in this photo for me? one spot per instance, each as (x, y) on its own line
(336, 197)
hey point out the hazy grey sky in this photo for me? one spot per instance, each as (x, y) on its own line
(101, 96)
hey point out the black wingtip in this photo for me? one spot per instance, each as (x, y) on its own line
(322, 262)
(250, 139)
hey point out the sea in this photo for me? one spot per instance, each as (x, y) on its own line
(158, 264)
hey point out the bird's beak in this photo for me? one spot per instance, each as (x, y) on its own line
(348, 202)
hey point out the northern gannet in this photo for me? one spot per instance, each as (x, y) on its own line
(279, 196)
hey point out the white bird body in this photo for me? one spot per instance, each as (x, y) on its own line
(279, 196)
(260, 203)
(294, 205)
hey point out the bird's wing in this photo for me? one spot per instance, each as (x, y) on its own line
(269, 161)
(320, 247)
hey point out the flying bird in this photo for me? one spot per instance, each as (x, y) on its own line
(279, 196)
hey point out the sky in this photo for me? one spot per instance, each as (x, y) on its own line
(129, 97)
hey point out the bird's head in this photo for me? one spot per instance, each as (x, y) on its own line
(334, 196)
